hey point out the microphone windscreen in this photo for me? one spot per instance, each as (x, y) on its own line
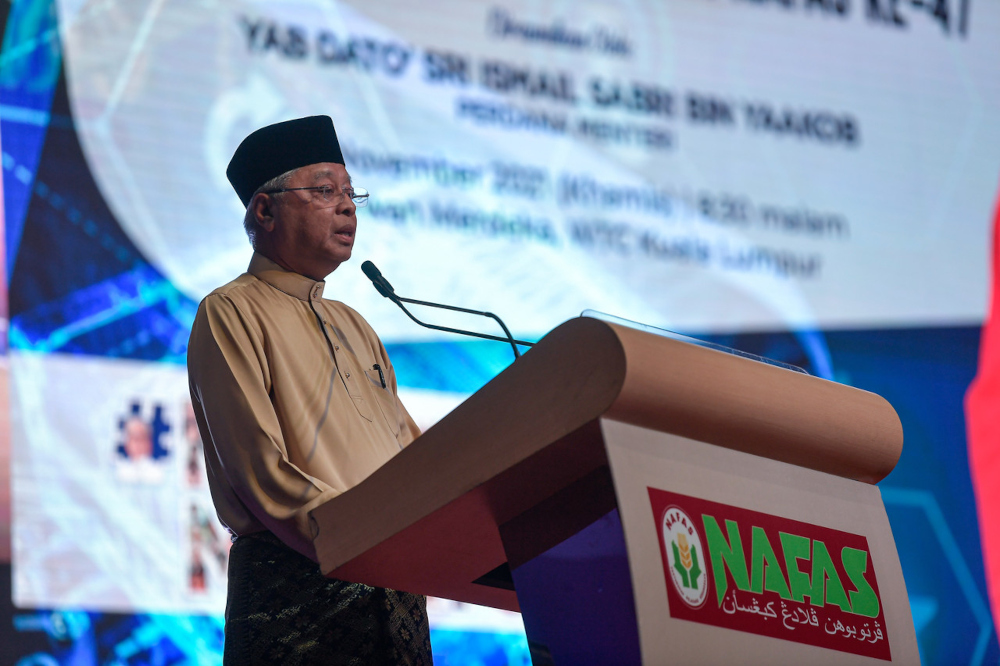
(376, 277)
(369, 269)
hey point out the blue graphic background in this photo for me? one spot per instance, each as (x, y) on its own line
(78, 285)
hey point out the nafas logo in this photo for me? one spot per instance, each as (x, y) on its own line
(684, 545)
(745, 570)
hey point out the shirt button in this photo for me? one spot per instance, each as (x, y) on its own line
(336, 348)
(348, 375)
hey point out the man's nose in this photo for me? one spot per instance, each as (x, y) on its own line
(346, 206)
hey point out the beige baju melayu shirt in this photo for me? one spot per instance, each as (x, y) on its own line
(290, 417)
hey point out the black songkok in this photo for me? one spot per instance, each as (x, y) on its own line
(275, 149)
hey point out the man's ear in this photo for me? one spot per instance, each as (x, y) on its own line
(263, 211)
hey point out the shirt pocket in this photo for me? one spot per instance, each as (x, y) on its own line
(385, 400)
(353, 390)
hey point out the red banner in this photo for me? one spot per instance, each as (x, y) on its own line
(750, 571)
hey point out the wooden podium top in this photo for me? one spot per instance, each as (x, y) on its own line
(428, 520)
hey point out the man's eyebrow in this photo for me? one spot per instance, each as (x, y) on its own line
(329, 174)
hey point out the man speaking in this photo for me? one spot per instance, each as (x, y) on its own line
(296, 402)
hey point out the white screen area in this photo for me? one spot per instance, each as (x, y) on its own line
(699, 165)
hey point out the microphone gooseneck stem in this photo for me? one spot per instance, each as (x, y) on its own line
(509, 338)
(398, 300)
(383, 287)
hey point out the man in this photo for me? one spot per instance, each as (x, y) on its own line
(296, 402)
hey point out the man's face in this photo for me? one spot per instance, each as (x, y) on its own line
(311, 236)
(138, 439)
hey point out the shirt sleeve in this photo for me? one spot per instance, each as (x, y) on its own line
(230, 385)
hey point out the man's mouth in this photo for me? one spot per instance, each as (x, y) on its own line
(347, 233)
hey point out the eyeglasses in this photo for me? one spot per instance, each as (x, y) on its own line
(328, 195)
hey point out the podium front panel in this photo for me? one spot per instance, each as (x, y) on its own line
(739, 559)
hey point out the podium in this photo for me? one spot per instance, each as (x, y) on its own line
(640, 499)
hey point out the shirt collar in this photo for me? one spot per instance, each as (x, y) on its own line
(293, 284)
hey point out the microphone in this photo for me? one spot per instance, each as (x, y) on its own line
(375, 275)
(383, 287)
